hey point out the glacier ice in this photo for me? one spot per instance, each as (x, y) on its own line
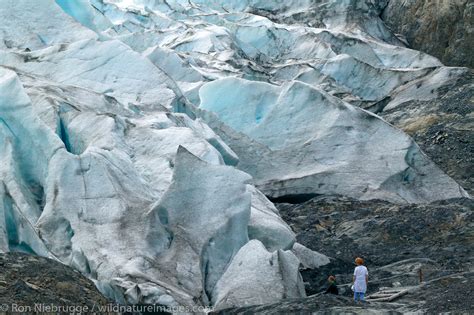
(308, 258)
(85, 64)
(32, 24)
(172, 223)
(83, 12)
(266, 225)
(25, 149)
(313, 143)
(140, 141)
(278, 274)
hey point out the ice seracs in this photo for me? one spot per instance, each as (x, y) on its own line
(168, 241)
(277, 272)
(313, 143)
(26, 146)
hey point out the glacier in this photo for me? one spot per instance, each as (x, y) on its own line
(312, 143)
(141, 142)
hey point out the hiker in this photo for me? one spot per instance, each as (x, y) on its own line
(360, 280)
(332, 289)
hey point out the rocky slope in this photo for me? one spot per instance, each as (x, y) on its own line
(142, 141)
(446, 294)
(382, 232)
(27, 280)
(396, 242)
(444, 29)
(442, 126)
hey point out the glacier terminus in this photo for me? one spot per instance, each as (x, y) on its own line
(143, 142)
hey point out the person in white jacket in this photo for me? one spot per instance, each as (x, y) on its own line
(360, 280)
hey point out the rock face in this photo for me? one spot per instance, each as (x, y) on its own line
(140, 140)
(26, 280)
(444, 29)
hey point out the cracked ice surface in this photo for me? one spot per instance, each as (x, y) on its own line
(139, 140)
(158, 230)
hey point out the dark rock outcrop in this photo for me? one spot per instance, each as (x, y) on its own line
(28, 280)
(444, 29)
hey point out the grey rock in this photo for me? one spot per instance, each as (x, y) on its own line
(444, 29)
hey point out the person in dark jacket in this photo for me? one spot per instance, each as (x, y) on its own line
(332, 289)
